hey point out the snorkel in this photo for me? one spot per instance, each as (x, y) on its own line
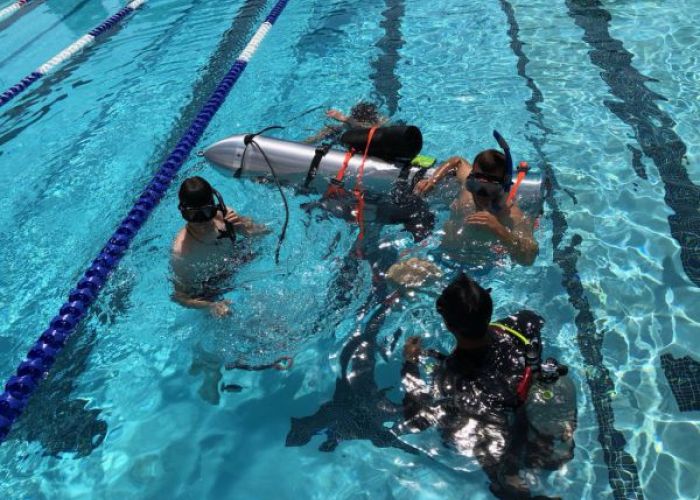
(508, 177)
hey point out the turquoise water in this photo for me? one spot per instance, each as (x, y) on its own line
(77, 147)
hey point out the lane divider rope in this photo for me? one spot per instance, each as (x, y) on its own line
(68, 52)
(43, 353)
(13, 8)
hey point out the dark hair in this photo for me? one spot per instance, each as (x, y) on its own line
(365, 112)
(465, 307)
(492, 162)
(196, 192)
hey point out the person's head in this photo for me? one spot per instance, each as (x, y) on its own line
(466, 308)
(197, 203)
(487, 180)
(365, 112)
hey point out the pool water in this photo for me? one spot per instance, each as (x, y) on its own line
(126, 412)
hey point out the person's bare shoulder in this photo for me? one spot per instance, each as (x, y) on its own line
(179, 248)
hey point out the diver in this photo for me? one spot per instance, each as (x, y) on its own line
(202, 260)
(482, 218)
(362, 115)
(492, 398)
(202, 256)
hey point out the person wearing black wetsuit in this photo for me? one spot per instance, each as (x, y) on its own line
(478, 391)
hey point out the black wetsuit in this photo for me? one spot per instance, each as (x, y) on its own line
(473, 399)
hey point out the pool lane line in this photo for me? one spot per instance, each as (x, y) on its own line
(623, 475)
(15, 128)
(14, 8)
(42, 355)
(68, 52)
(653, 127)
(61, 20)
(385, 79)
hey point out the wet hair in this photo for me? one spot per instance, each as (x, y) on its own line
(491, 162)
(465, 307)
(365, 112)
(196, 192)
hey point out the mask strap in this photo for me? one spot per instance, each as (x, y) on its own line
(230, 229)
(219, 201)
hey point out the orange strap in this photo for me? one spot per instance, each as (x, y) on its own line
(336, 184)
(359, 194)
(522, 172)
(346, 161)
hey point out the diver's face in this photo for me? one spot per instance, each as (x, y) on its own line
(487, 191)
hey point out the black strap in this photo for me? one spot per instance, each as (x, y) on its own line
(321, 151)
(404, 173)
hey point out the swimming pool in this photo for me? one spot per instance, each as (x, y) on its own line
(121, 414)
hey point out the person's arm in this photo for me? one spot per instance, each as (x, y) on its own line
(416, 399)
(322, 134)
(455, 165)
(217, 308)
(519, 241)
(338, 116)
(181, 293)
(523, 246)
(245, 225)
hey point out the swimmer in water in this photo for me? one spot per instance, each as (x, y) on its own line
(481, 220)
(202, 260)
(484, 222)
(202, 255)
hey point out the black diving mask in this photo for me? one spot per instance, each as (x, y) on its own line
(204, 213)
(486, 186)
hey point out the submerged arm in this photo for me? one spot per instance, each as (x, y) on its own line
(416, 399)
(322, 134)
(520, 240)
(182, 293)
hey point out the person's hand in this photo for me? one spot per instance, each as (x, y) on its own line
(424, 186)
(233, 218)
(335, 114)
(221, 308)
(488, 221)
(412, 349)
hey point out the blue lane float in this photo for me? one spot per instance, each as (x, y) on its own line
(43, 353)
(68, 52)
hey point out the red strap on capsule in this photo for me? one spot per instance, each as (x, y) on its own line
(358, 191)
(335, 188)
(524, 385)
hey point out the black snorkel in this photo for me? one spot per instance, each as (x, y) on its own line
(508, 177)
(230, 231)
